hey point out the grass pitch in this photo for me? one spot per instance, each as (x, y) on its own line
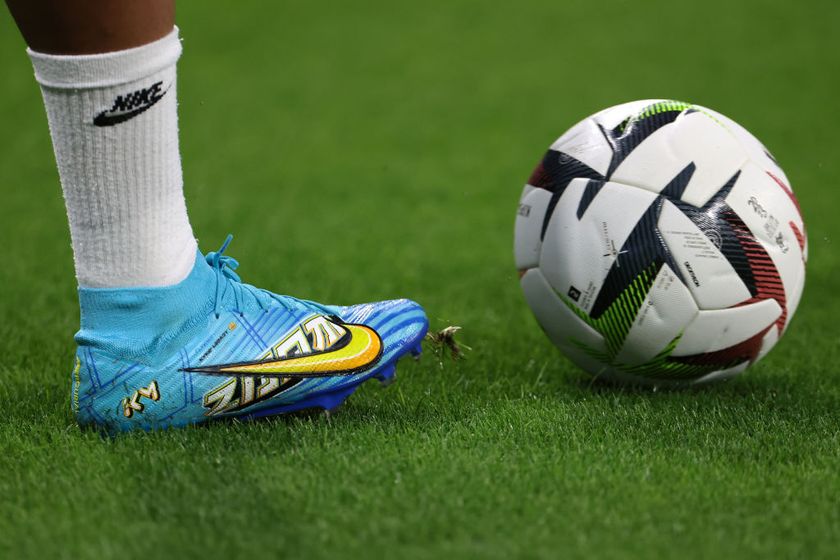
(403, 133)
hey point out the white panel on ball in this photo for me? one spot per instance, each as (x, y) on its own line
(769, 341)
(650, 166)
(763, 204)
(756, 151)
(715, 330)
(793, 296)
(716, 154)
(707, 273)
(558, 321)
(580, 252)
(693, 138)
(529, 222)
(585, 143)
(722, 374)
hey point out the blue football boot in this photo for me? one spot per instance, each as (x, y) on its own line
(213, 347)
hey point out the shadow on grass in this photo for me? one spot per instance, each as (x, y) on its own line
(778, 396)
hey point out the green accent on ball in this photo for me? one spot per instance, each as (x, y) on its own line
(615, 323)
(662, 366)
(664, 107)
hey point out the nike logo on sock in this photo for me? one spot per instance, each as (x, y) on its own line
(128, 106)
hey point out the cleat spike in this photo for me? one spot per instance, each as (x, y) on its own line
(387, 375)
(331, 401)
(327, 401)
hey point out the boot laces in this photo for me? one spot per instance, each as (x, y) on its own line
(227, 279)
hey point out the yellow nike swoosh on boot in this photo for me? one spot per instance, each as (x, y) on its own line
(362, 351)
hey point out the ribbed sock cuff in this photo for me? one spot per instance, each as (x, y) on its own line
(107, 69)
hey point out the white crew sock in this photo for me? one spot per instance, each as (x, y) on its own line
(114, 126)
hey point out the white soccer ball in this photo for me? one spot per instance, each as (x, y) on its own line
(659, 241)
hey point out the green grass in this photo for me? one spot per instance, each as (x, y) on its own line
(409, 129)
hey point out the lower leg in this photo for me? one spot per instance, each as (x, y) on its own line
(91, 26)
(114, 125)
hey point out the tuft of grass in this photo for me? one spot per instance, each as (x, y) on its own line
(443, 343)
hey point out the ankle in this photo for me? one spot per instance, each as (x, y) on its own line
(138, 322)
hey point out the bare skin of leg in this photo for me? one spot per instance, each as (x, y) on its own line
(91, 26)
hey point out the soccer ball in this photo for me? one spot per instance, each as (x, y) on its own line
(659, 241)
